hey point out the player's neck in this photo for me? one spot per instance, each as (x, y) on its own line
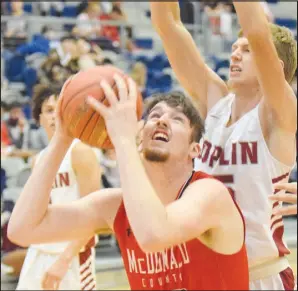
(168, 178)
(49, 135)
(245, 101)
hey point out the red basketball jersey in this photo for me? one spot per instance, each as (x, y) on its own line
(188, 266)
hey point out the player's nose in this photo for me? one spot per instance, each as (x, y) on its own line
(236, 56)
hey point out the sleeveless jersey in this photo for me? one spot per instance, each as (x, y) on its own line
(188, 266)
(238, 156)
(64, 190)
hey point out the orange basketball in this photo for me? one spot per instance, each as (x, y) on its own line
(81, 120)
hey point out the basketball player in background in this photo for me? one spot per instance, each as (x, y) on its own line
(290, 198)
(176, 228)
(67, 265)
(250, 134)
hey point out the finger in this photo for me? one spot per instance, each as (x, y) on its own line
(291, 187)
(289, 198)
(97, 106)
(122, 88)
(284, 211)
(109, 93)
(132, 89)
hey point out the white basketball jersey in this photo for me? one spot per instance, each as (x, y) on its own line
(238, 155)
(64, 190)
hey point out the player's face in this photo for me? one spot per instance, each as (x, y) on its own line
(242, 65)
(166, 134)
(47, 116)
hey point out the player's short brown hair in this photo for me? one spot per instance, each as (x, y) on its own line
(40, 95)
(286, 47)
(177, 99)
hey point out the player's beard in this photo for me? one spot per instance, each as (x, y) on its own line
(155, 155)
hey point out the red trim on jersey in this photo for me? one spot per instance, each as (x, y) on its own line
(278, 233)
(275, 222)
(83, 258)
(91, 243)
(277, 179)
(225, 178)
(277, 237)
(287, 278)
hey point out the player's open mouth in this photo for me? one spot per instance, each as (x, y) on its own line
(161, 136)
(235, 68)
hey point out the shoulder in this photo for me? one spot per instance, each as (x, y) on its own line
(82, 154)
(211, 191)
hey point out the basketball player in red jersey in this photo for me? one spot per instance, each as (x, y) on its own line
(177, 229)
(249, 142)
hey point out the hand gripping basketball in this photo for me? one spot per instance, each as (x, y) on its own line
(120, 117)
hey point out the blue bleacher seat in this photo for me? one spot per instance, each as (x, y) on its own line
(69, 11)
(144, 43)
(221, 64)
(28, 7)
(3, 180)
(288, 22)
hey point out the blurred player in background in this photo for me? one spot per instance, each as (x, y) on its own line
(66, 265)
(250, 139)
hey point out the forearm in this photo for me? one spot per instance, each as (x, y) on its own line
(73, 249)
(163, 14)
(33, 202)
(255, 26)
(147, 215)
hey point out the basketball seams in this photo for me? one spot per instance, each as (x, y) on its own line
(83, 122)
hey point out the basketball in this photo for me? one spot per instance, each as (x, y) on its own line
(81, 120)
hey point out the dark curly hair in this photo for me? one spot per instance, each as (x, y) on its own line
(41, 94)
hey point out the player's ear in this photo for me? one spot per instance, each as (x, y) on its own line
(194, 150)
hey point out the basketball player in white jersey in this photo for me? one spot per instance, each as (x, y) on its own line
(66, 265)
(250, 139)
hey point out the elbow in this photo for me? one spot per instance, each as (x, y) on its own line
(17, 236)
(150, 243)
(257, 34)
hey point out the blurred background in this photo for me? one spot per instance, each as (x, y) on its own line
(46, 42)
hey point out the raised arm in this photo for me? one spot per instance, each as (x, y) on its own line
(88, 175)
(204, 85)
(279, 105)
(35, 221)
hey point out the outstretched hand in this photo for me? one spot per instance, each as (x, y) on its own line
(121, 116)
(286, 197)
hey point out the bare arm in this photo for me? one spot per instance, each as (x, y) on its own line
(280, 104)
(88, 175)
(35, 221)
(204, 85)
